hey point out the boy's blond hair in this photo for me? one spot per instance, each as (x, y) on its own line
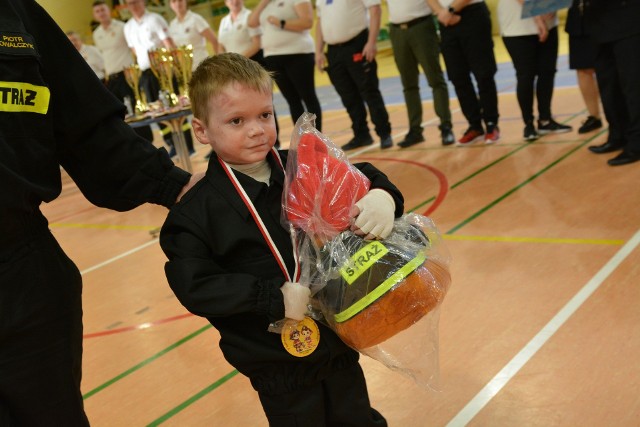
(215, 73)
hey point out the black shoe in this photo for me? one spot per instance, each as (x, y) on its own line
(411, 139)
(551, 126)
(624, 158)
(447, 136)
(607, 147)
(592, 123)
(357, 143)
(386, 142)
(530, 133)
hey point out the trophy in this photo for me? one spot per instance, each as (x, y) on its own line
(161, 62)
(183, 62)
(132, 76)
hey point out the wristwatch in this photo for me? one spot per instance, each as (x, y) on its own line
(282, 22)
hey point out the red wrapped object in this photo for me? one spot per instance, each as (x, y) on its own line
(322, 190)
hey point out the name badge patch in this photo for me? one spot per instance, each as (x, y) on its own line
(17, 43)
(18, 97)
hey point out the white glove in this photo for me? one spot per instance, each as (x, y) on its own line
(296, 298)
(376, 216)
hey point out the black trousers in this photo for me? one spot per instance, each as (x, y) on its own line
(151, 87)
(356, 81)
(618, 74)
(467, 48)
(295, 76)
(340, 400)
(117, 85)
(40, 328)
(535, 65)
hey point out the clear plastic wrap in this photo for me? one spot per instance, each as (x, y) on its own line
(380, 297)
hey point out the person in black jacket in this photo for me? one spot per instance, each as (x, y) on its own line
(47, 122)
(613, 25)
(231, 260)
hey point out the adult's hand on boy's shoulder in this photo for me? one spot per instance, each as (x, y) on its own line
(374, 215)
(192, 181)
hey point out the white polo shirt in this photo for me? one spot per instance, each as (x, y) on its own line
(342, 20)
(511, 23)
(113, 46)
(92, 55)
(401, 11)
(236, 35)
(276, 41)
(146, 35)
(189, 31)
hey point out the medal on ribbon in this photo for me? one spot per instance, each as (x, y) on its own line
(300, 338)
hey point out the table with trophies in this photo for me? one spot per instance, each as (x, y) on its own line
(171, 109)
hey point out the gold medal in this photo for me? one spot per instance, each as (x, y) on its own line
(301, 338)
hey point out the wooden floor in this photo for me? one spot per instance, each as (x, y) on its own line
(541, 326)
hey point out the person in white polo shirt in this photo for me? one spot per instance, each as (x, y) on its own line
(235, 35)
(532, 44)
(109, 39)
(466, 42)
(189, 28)
(350, 28)
(91, 54)
(414, 39)
(146, 31)
(289, 52)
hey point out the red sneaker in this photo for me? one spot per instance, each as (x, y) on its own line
(470, 136)
(493, 134)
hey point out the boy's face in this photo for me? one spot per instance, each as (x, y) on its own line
(241, 128)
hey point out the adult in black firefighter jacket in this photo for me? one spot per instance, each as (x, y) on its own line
(55, 112)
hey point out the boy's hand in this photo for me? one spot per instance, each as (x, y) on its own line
(374, 215)
(296, 298)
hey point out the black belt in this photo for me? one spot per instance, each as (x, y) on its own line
(114, 75)
(411, 23)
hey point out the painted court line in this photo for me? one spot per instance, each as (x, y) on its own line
(498, 382)
(116, 258)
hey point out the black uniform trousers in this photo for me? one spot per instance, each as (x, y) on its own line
(535, 65)
(151, 87)
(117, 85)
(356, 81)
(40, 328)
(295, 76)
(467, 48)
(618, 75)
(306, 407)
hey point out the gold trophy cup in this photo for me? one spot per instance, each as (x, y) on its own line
(132, 76)
(161, 62)
(183, 62)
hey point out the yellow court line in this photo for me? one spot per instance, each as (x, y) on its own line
(613, 242)
(103, 226)
(534, 240)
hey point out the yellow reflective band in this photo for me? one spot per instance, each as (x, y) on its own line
(362, 260)
(373, 296)
(18, 97)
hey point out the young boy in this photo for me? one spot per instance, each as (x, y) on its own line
(231, 260)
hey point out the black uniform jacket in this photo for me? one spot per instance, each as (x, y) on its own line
(221, 268)
(55, 112)
(611, 20)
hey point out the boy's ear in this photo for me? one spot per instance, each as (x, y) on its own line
(199, 130)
